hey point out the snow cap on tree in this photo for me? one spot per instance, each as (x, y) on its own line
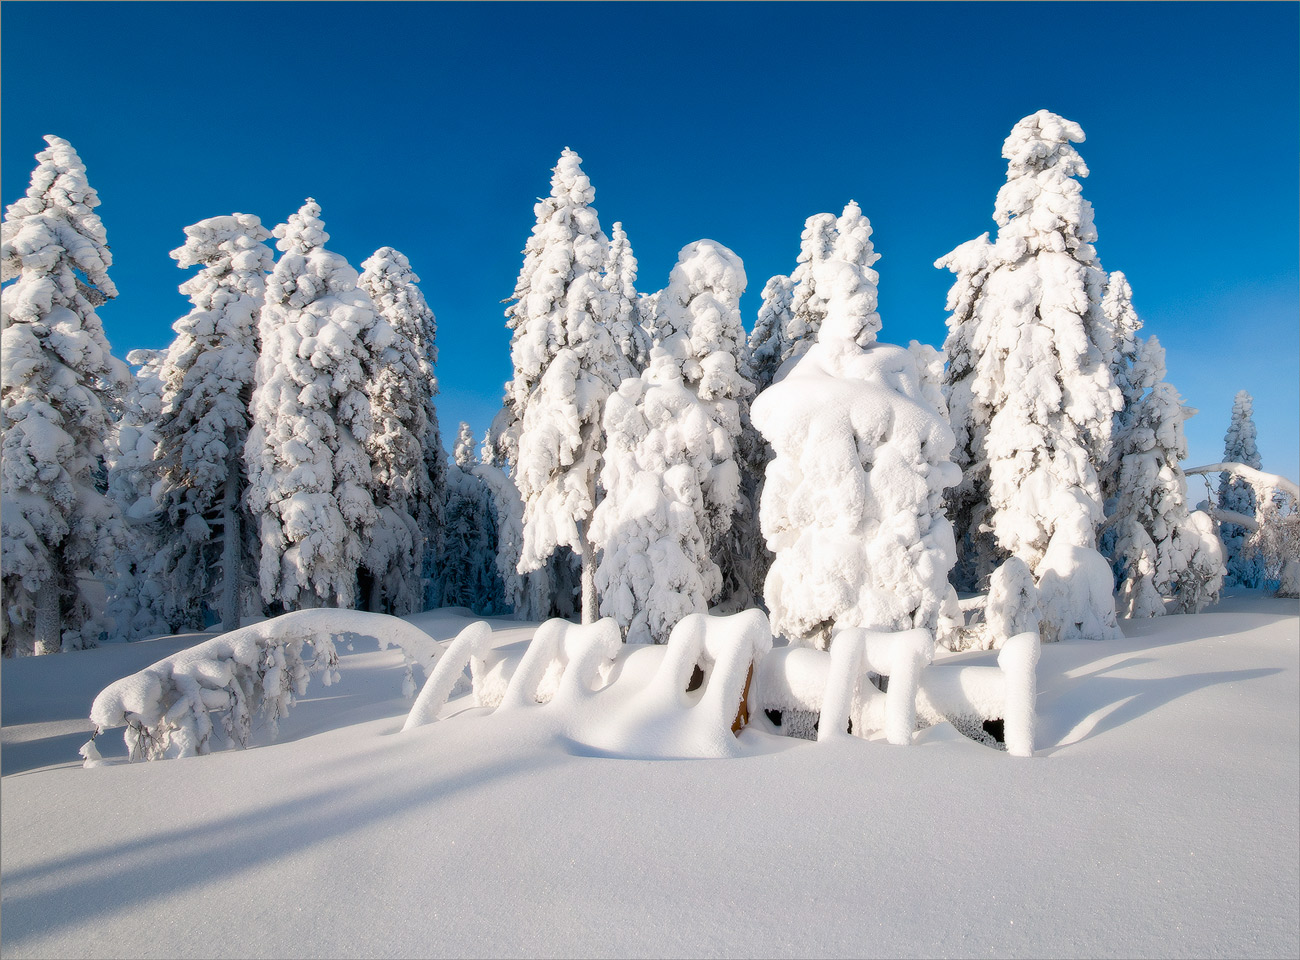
(61, 387)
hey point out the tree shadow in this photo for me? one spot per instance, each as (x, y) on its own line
(1087, 705)
(82, 887)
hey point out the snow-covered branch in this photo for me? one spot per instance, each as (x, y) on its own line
(259, 670)
(1257, 478)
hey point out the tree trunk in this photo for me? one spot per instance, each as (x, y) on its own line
(48, 618)
(231, 550)
(590, 603)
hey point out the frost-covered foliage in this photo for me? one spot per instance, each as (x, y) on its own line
(566, 364)
(1154, 543)
(1030, 386)
(630, 336)
(808, 303)
(852, 505)
(61, 389)
(468, 572)
(309, 474)
(404, 445)
(208, 376)
(243, 675)
(1275, 546)
(527, 594)
(1238, 495)
(768, 347)
(148, 596)
(671, 478)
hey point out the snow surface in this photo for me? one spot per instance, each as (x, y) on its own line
(1158, 817)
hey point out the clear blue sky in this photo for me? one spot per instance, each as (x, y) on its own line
(433, 127)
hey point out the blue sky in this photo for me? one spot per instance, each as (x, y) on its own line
(433, 127)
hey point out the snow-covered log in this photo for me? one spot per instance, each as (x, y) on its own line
(474, 640)
(900, 656)
(966, 696)
(580, 652)
(257, 670)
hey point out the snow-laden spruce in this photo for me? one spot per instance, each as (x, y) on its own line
(808, 302)
(852, 505)
(1030, 387)
(148, 597)
(309, 473)
(1155, 540)
(768, 346)
(404, 444)
(566, 364)
(1238, 496)
(468, 573)
(61, 389)
(670, 477)
(208, 376)
(626, 326)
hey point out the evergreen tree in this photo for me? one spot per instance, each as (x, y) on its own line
(148, 598)
(566, 365)
(852, 505)
(1030, 379)
(309, 475)
(61, 389)
(1238, 495)
(671, 478)
(404, 445)
(1154, 542)
(468, 566)
(629, 335)
(207, 377)
(768, 345)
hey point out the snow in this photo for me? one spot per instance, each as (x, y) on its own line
(1158, 816)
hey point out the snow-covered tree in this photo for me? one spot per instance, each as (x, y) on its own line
(768, 345)
(207, 377)
(852, 505)
(625, 326)
(1030, 387)
(808, 302)
(1237, 495)
(1153, 540)
(309, 474)
(148, 596)
(671, 478)
(468, 565)
(566, 365)
(404, 445)
(61, 388)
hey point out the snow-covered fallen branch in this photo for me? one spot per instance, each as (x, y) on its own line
(1263, 482)
(257, 671)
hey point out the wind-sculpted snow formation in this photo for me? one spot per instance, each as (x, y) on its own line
(256, 671)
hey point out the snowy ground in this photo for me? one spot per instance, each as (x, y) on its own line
(1158, 817)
